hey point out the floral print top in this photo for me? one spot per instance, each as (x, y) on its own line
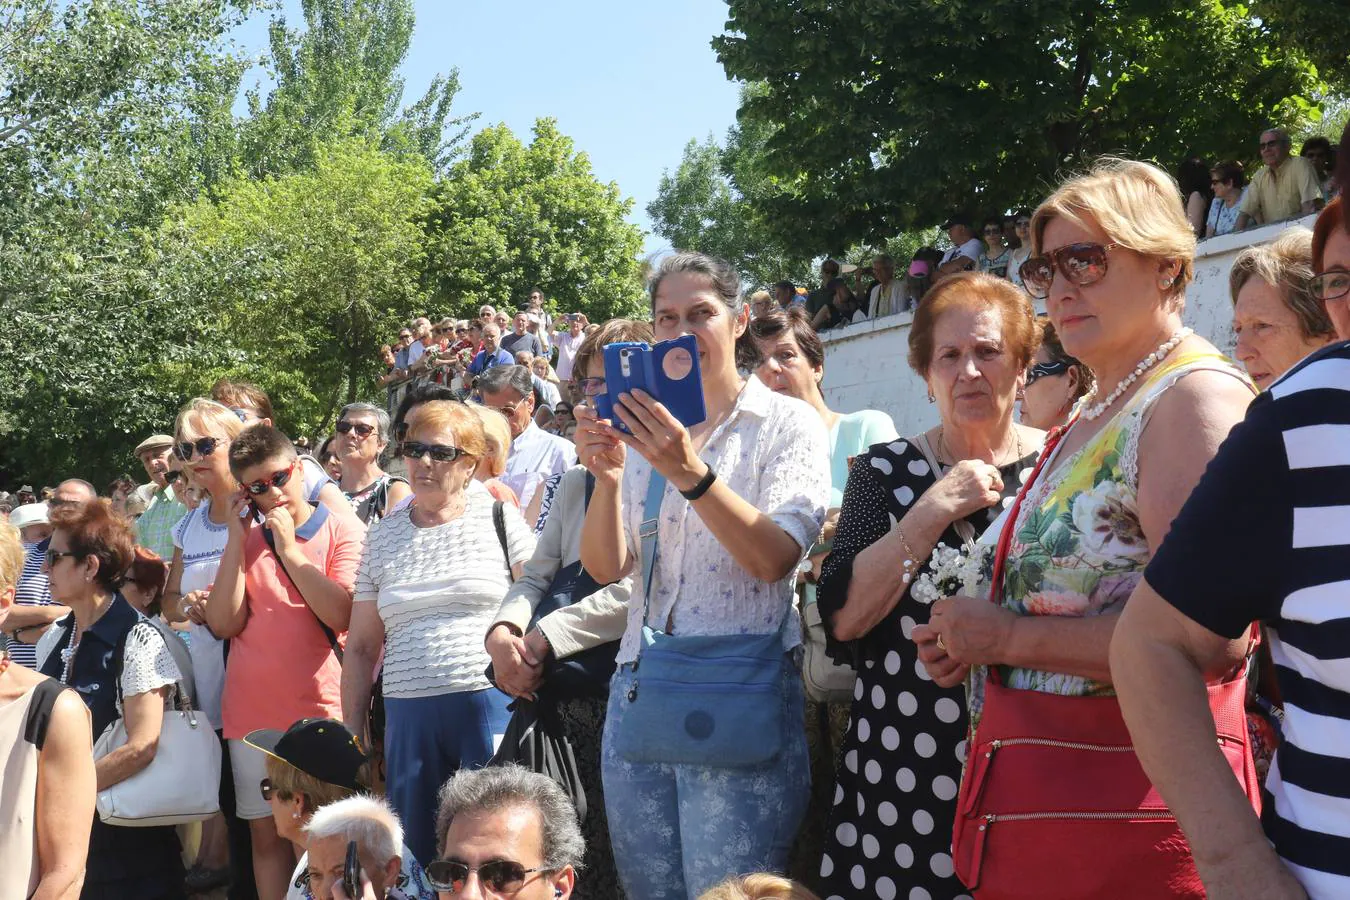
(1078, 548)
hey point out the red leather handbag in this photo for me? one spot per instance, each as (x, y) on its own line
(1054, 803)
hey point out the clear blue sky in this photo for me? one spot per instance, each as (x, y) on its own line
(630, 81)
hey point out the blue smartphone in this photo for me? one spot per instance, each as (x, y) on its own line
(667, 371)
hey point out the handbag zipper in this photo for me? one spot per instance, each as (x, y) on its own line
(1050, 742)
(1152, 815)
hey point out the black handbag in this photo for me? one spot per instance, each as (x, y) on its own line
(534, 739)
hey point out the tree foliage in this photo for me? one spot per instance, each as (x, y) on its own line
(886, 115)
(510, 215)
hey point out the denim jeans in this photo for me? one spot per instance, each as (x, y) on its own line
(677, 830)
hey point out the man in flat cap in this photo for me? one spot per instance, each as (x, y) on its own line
(154, 529)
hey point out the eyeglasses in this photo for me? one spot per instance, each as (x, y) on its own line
(499, 876)
(438, 452)
(405, 336)
(993, 231)
(266, 787)
(361, 428)
(55, 556)
(275, 480)
(591, 387)
(1040, 370)
(1081, 264)
(1330, 285)
(204, 446)
(509, 409)
(1266, 145)
(1022, 223)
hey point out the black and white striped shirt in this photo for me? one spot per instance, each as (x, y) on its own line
(32, 590)
(1266, 536)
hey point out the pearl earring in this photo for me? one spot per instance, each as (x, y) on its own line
(931, 398)
(1167, 283)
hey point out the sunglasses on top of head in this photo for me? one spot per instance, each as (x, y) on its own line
(275, 480)
(204, 447)
(438, 452)
(498, 876)
(1081, 264)
(361, 428)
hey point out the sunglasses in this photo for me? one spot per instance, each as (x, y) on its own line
(591, 387)
(275, 480)
(1330, 285)
(1266, 145)
(438, 452)
(1081, 264)
(1040, 370)
(499, 876)
(172, 475)
(265, 786)
(509, 409)
(55, 556)
(993, 231)
(204, 446)
(361, 428)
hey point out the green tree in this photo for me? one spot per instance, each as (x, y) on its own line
(307, 272)
(339, 77)
(510, 215)
(885, 115)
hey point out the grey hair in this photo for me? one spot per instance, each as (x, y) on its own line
(512, 786)
(367, 820)
(369, 409)
(725, 279)
(518, 378)
(1283, 135)
(1286, 265)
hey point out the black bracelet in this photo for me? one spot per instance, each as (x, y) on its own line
(701, 488)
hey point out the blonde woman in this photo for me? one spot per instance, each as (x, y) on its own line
(759, 886)
(490, 468)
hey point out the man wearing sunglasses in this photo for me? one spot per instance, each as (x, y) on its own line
(535, 454)
(1288, 185)
(154, 528)
(282, 595)
(504, 831)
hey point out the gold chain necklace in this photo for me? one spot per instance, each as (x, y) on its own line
(944, 450)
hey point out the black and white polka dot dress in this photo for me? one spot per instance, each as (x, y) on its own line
(890, 829)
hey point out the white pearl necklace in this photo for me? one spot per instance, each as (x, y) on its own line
(1148, 362)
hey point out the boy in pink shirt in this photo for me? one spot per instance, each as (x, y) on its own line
(282, 596)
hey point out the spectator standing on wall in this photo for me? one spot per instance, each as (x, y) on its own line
(520, 338)
(994, 259)
(569, 342)
(1196, 192)
(1230, 186)
(535, 307)
(966, 248)
(887, 295)
(1288, 186)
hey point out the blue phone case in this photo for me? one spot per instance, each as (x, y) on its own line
(675, 382)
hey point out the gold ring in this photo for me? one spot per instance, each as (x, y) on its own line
(942, 645)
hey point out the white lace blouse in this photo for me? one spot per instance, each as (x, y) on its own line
(147, 666)
(773, 451)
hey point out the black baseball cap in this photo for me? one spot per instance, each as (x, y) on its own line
(321, 748)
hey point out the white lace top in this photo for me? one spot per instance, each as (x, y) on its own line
(773, 451)
(147, 666)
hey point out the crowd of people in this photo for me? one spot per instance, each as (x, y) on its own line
(1073, 640)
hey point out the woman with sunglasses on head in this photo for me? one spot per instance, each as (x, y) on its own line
(1112, 253)
(202, 435)
(47, 793)
(1055, 382)
(361, 440)
(730, 506)
(90, 551)
(431, 578)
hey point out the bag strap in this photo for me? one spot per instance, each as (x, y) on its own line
(187, 678)
(183, 701)
(281, 564)
(964, 529)
(651, 518)
(40, 711)
(499, 523)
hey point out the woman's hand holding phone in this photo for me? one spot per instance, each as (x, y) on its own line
(599, 447)
(660, 438)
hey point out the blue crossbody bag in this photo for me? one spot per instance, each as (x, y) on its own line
(705, 700)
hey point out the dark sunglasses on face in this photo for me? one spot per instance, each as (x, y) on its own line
(1266, 145)
(1330, 285)
(499, 876)
(438, 452)
(1040, 370)
(172, 475)
(275, 480)
(55, 556)
(265, 786)
(361, 428)
(1081, 264)
(204, 446)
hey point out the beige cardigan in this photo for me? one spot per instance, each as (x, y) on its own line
(589, 622)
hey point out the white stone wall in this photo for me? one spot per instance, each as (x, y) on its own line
(866, 367)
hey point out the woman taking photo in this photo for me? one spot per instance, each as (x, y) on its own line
(1276, 316)
(1112, 253)
(523, 656)
(47, 794)
(91, 549)
(431, 578)
(741, 497)
(362, 437)
(971, 341)
(1055, 382)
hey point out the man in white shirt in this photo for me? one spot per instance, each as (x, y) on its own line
(569, 342)
(965, 251)
(887, 295)
(535, 307)
(535, 454)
